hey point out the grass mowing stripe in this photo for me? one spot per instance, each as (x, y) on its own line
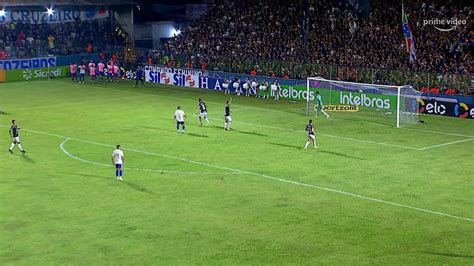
(61, 146)
(269, 177)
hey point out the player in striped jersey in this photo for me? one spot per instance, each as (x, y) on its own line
(311, 135)
(15, 135)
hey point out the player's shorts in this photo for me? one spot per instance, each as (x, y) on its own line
(16, 139)
(225, 86)
(236, 85)
(228, 119)
(318, 107)
(73, 74)
(262, 88)
(118, 165)
(246, 86)
(180, 123)
(101, 73)
(203, 114)
(311, 136)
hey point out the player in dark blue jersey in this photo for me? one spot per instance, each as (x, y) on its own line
(202, 108)
(139, 76)
(311, 135)
(15, 135)
(227, 118)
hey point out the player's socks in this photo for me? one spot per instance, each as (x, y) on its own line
(12, 146)
(116, 173)
(306, 145)
(120, 173)
(207, 121)
(21, 148)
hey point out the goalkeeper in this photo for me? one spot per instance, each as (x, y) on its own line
(319, 105)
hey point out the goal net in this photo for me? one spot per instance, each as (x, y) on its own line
(394, 105)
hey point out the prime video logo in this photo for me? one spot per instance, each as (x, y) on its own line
(445, 24)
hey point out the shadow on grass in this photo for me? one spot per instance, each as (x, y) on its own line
(3, 113)
(112, 179)
(196, 135)
(318, 150)
(449, 255)
(251, 133)
(340, 154)
(24, 157)
(287, 145)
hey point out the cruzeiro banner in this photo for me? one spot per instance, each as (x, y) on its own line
(42, 62)
(63, 14)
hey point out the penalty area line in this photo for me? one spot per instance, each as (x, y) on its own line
(276, 179)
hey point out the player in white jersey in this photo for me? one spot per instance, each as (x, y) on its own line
(236, 86)
(225, 85)
(179, 115)
(117, 160)
(246, 87)
(263, 88)
(254, 86)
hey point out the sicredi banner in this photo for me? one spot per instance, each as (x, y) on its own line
(35, 73)
(39, 16)
(42, 62)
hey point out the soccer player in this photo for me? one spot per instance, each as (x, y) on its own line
(236, 86)
(227, 118)
(319, 105)
(116, 73)
(246, 86)
(255, 87)
(73, 71)
(311, 135)
(117, 160)
(139, 76)
(179, 115)
(92, 70)
(110, 71)
(101, 68)
(82, 73)
(14, 134)
(202, 112)
(225, 85)
(263, 88)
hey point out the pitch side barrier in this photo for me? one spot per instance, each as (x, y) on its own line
(292, 89)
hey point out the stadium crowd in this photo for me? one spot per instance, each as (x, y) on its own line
(22, 40)
(271, 38)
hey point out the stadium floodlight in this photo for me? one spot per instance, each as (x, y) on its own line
(395, 105)
(49, 11)
(175, 32)
(2, 12)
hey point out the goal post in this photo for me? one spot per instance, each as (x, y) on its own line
(387, 104)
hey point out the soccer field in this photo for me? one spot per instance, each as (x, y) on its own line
(371, 193)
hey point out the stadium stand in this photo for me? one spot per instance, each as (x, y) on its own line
(338, 43)
(22, 40)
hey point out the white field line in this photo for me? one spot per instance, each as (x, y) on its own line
(273, 178)
(281, 111)
(333, 136)
(445, 144)
(61, 146)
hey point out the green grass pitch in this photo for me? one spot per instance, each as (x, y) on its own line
(371, 193)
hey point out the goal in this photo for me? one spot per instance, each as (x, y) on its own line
(394, 105)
